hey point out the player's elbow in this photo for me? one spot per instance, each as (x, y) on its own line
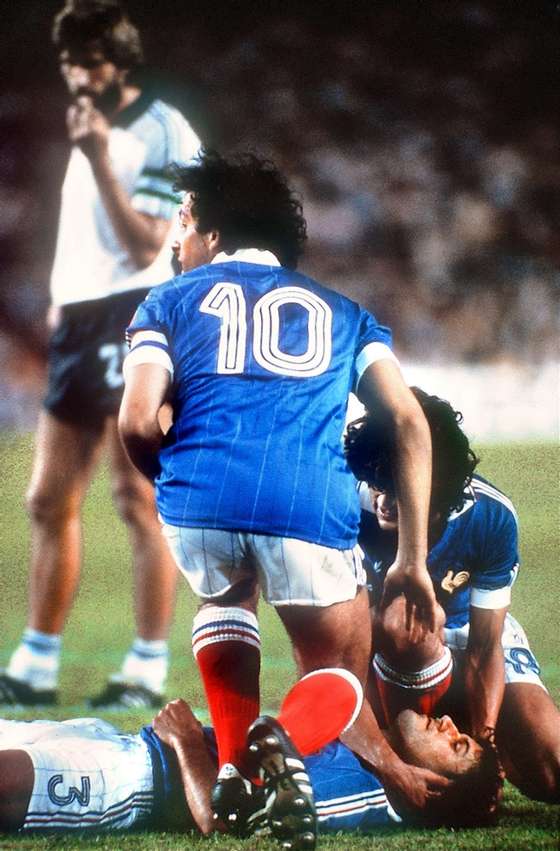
(134, 430)
(413, 416)
(138, 425)
(144, 255)
(149, 243)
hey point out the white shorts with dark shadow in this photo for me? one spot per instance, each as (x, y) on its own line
(87, 774)
(289, 571)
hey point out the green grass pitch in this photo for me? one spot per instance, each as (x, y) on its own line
(100, 629)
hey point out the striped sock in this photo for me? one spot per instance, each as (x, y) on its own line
(418, 690)
(145, 664)
(37, 659)
(227, 648)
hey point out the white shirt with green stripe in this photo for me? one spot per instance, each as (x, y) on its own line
(90, 263)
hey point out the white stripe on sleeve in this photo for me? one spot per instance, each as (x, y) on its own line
(148, 337)
(499, 598)
(147, 354)
(371, 353)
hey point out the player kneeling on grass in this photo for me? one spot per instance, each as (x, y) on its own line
(84, 774)
(478, 665)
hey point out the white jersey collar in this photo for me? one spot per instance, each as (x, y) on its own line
(248, 255)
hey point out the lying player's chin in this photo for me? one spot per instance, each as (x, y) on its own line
(387, 524)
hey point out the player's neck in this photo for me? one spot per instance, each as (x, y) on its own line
(436, 530)
(128, 95)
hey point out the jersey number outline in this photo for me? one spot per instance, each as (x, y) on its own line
(522, 660)
(227, 302)
(113, 354)
(82, 796)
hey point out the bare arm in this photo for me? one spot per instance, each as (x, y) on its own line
(409, 788)
(383, 389)
(142, 236)
(176, 725)
(140, 430)
(484, 671)
(17, 776)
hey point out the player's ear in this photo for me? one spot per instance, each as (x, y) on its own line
(213, 241)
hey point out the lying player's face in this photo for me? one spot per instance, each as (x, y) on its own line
(88, 73)
(192, 248)
(385, 508)
(434, 743)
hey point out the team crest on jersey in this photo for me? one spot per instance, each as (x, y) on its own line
(452, 583)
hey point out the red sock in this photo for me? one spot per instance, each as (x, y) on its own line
(320, 707)
(226, 645)
(418, 690)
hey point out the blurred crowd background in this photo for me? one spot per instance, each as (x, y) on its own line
(423, 138)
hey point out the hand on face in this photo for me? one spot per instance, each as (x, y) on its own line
(411, 789)
(434, 743)
(88, 128)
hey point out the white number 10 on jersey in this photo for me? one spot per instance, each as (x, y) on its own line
(227, 301)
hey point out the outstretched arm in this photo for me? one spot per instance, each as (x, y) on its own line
(176, 725)
(383, 389)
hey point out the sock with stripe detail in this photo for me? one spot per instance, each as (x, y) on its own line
(145, 664)
(418, 690)
(37, 659)
(226, 646)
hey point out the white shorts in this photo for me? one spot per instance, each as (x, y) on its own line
(520, 663)
(87, 774)
(289, 571)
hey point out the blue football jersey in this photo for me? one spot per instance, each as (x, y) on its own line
(263, 361)
(475, 561)
(347, 795)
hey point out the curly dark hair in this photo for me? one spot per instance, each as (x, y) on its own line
(247, 200)
(369, 451)
(473, 797)
(102, 24)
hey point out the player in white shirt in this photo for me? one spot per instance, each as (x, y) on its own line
(114, 240)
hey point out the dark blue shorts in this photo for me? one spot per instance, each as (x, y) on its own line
(86, 353)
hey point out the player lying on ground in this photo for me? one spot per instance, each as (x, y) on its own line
(84, 774)
(252, 486)
(478, 666)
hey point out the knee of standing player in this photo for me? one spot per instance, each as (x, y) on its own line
(134, 500)
(50, 507)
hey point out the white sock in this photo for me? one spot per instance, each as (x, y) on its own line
(37, 659)
(145, 664)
